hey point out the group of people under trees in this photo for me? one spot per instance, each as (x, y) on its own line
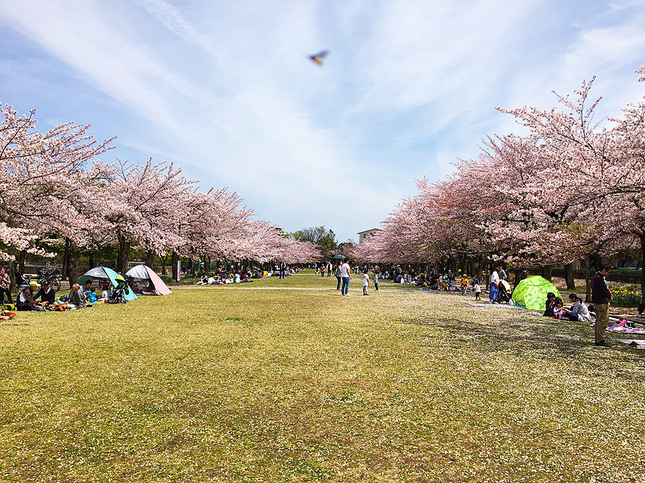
(578, 310)
(221, 276)
(499, 291)
(36, 297)
(43, 297)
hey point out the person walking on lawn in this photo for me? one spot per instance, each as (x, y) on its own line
(601, 298)
(337, 273)
(345, 276)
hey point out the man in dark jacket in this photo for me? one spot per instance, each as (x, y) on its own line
(46, 293)
(601, 297)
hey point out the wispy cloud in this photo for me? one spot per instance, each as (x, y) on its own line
(226, 89)
(171, 18)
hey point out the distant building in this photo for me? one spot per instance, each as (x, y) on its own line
(364, 235)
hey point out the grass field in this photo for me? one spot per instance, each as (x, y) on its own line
(289, 381)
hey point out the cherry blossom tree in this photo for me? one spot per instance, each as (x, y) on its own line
(141, 205)
(39, 173)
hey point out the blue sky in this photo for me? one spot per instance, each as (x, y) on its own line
(225, 89)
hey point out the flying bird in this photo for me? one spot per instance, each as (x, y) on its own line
(318, 58)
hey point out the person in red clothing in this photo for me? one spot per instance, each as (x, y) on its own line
(601, 298)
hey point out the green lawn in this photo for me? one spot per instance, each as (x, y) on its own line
(289, 381)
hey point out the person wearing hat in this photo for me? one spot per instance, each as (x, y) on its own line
(26, 299)
(46, 293)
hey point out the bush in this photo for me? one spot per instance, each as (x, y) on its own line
(167, 280)
(625, 298)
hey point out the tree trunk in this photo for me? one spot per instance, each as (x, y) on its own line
(588, 278)
(150, 258)
(91, 260)
(517, 276)
(12, 271)
(546, 272)
(642, 237)
(174, 258)
(65, 271)
(568, 276)
(163, 265)
(73, 260)
(21, 261)
(122, 255)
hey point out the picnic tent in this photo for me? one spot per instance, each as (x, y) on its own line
(105, 273)
(146, 273)
(531, 292)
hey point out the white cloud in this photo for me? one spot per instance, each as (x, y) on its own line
(226, 90)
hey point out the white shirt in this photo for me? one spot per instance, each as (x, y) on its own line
(344, 270)
(366, 280)
(494, 278)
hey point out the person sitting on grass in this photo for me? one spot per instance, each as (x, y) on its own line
(203, 280)
(578, 311)
(549, 304)
(558, 309)
(46, 294)
(77, 297)
(441, 285)
(26, 300)
(87, 287)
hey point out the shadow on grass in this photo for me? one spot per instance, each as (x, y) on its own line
(535, 338)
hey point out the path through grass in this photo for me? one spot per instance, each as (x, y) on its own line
(241, 384)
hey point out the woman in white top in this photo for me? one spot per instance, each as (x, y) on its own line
(345, 276)
(366, 282)
(494, 286)
(578, 311)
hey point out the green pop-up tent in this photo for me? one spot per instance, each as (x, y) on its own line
(105, 273)
(531, 292)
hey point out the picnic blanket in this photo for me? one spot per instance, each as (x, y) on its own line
(495, 306)
(622, 328)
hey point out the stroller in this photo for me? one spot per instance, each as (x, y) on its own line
(124, 287)
(117, 296)
(504, 294)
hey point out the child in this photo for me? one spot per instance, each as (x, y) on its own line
(558, 310)
(464, 284)
(478, 291)
(376, 281)
(366, 282)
